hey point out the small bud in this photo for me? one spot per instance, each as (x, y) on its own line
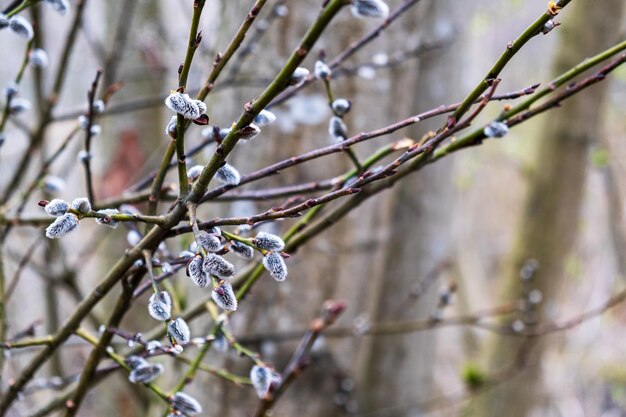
(322, 70)
(224, 297)
(220, 343)
(38, 58)
(95, 130)
(153, 345)
(337, 129)
(84, 156)
(62, 226)
(341, 106)
(210, 242)
(549, 25)
(265, 117)
(21, 27)
(10, 90)
(196, 272)
(19, 105)
(249, 132)
(535, 296)
(298, 77)
(268, 241)
(145, 374)
(370, 8)
(179, 330)
(170, 129)
(496, 129)
(281, 10)
(275, 265)
(81, 205)
(83, 121)
(228, 174)
(185, 105)
(52, 184)
(216, 265)
(61, 6)
(242, 250)
(214, 230)
(57, 207)
(194, 172)
(134, 361)
(186, 404)
(261, 378)
(529, 269)
(108, 221)
(4, 21)
(160, 306)
(99, 106)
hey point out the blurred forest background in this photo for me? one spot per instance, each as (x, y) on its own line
(545, 202)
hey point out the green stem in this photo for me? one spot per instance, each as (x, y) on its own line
(25, 5)
(512, 48)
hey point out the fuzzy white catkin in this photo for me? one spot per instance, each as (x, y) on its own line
(134, 361)
(322, 71)
(133, 237)
(57, 207)
(194, 172)
(53, 184)
(275, 265)
(61, 6)
(268, 241)
(210, 242)
(496, 129)
(21, 27)
(186, 404)
(170, 129)
(298, 77)
(224, 297)
(249, 132)
(81, 205)
(242, 250)
(185, 105)
(228, 175)
(99, 106)
(61, 226)
(146, 373)
(337, 129)
(265, 117)
(4, 21)
(216, 265)
(108, 221)
(19, 105)
(341, 106)
(179, 330)
(261, 378)
(38, 58)
(370, 8)
(160, 306)
(196, 272)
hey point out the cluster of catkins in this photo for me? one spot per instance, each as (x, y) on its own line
(68, 215)
(337, 129)
(210, 267)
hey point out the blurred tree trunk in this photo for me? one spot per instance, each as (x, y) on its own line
(398, 371)
(548, 228)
